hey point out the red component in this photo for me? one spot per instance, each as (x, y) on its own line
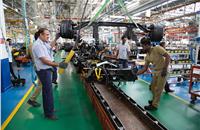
(195, 73)
(22, 59)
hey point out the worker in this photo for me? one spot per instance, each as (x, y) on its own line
(167, 89)
(32, 100)
(123, 52)
(42, 51)
(9, 49)
(160, 59)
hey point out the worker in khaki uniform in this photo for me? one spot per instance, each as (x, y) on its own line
(160, 59)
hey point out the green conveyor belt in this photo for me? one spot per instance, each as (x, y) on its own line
(172, 113)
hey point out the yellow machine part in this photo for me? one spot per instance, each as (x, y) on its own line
(67, 59)
(98, 73)
(16, 54)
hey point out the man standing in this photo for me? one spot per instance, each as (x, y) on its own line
(42, 52)
(123, 52)
(9, 49)
(160, 59)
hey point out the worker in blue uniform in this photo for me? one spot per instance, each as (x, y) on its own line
(42, 51)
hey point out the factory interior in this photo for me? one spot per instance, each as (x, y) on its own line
(100, 64)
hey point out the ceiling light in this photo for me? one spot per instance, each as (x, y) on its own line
(5, 6)
(148, 13)
(31, 22)
(115, 16)
(39, 3)
(36, 17)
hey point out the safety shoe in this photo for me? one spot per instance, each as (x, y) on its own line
(167, 88)
(150, 87)
(150, 102)
(54, 82)
(53, 117)
(169, 91)
(150, 107)
(33, 103)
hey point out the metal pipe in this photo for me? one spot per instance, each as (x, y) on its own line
(99, 11)
(26, 29)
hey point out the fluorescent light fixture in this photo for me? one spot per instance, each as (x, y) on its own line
(5, 6)
(39, 3)
(132, 5)
(36, 17)
(148, 13)
(115, 16)
(136, 17)
(31, 22)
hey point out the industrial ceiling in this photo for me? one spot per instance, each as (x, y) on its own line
(50, 12)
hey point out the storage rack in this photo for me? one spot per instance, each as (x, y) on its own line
(180, 62)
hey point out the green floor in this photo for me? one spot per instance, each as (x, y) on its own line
(73, 108)
(172, 113)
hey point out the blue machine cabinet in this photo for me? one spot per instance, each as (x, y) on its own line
(5, 75)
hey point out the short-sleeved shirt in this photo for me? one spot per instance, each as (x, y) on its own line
(123, 51)
(155, 56)
(128, 45)
(8, 49)
(41, 49)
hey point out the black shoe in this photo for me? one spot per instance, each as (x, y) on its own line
(167, 88)
(150, 102)
(150, 107)
(15, 77)
(53, 117)
(33, 103)
(150, 87)
(55, 82)
(169, 91)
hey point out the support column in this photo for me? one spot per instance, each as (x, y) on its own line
(118, 35)
(198, 15)
(198, 40)
(4, 62)
(2, 19)
(96, 34)
(26, 27)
